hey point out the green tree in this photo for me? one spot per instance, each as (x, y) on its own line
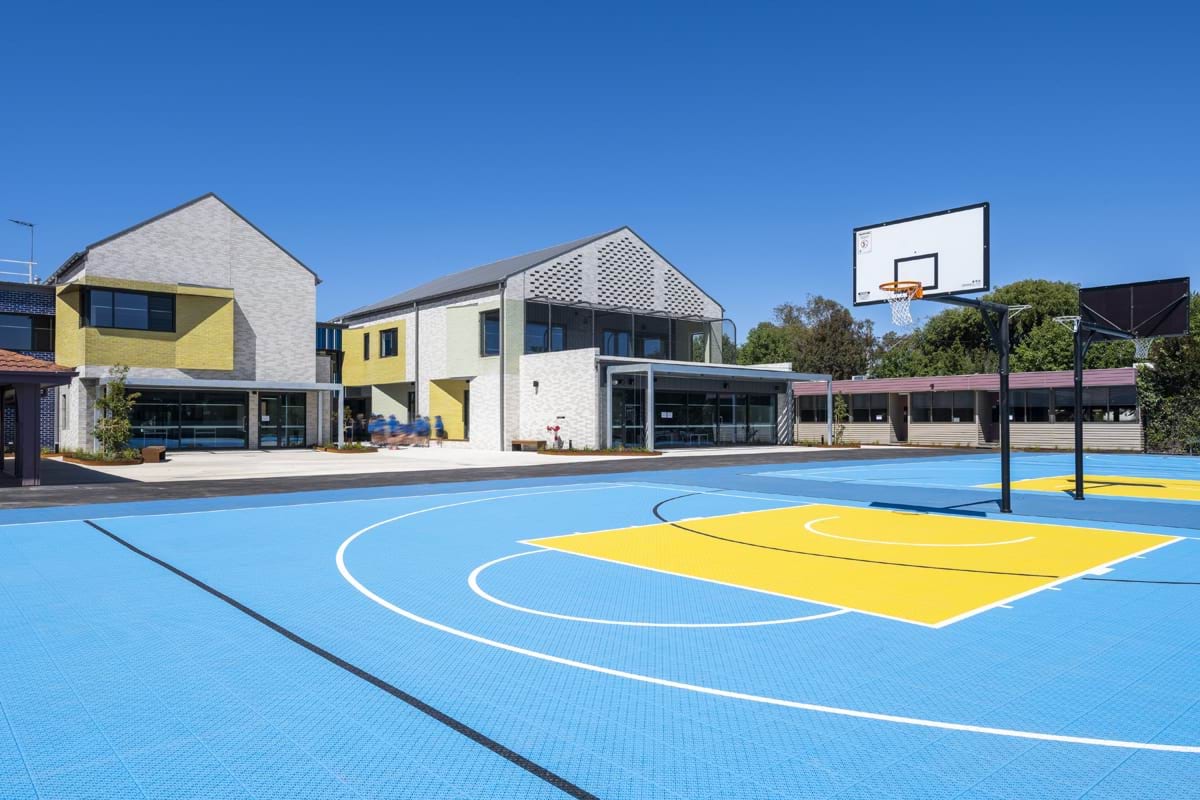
(766, 343)
(1169, 391)
(113, 429)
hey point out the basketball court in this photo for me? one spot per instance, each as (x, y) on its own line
(710, 632)
(900, 627)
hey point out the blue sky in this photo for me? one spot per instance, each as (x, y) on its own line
(385, 144)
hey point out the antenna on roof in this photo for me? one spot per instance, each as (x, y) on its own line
(29, 265)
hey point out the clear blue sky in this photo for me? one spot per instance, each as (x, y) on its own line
(385, 144)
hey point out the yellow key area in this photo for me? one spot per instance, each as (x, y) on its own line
(920, 568)
(1113, 486)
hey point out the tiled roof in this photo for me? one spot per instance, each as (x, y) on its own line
(17, 362)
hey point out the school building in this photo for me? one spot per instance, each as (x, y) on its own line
(964, 410)
(600, 338)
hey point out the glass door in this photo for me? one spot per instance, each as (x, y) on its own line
(269, 420)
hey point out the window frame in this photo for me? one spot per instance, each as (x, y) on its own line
(366, 346)
(394, 339)
(88, 318)
(486, 319)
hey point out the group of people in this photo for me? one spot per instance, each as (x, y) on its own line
(392, 433)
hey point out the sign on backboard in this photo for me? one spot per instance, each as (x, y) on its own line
(946, 251)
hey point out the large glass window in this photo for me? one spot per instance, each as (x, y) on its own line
(812, 408)
(868, 407)
(389, 343)
(943, 407)
(652, 346)
(189, 419)
(542, 338)
(139, 311)
(699, 346)
(616, 343)
(489, 333)
(27, 332)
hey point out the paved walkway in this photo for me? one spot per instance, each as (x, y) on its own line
(70, 484)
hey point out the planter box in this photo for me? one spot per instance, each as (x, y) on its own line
(119, 463)
(349, 450)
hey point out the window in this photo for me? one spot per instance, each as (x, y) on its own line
(1100, 404)
(1029, 405)
(366, 347)
(943, 407)
(811, 408)
(868, 408)
(652, 347)
(329, 338)
(615, 343)
(389, 343)
(1122, 403)
(27, 332)
(699, 346)
(489, 333)
(138, 311)
(536, 341)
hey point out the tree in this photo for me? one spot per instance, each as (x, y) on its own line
(113, 429)
(1169, 391)
(729, 350)
(765, 344)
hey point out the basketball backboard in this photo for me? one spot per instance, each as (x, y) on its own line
(1144, 310)
(947, 251)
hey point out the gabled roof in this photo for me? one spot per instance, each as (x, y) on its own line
(75, 257)
(477, 277)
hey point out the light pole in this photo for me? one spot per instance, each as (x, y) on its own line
(31, 262)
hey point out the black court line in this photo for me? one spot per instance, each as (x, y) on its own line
(656, 513)
(555, 780)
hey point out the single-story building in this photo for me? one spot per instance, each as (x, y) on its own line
(964, 410)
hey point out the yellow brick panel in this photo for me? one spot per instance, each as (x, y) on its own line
(446, 400)
(357, 371)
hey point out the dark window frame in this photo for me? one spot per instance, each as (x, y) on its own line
(367, 346)
(486, 320)
(549, 331)
(615, 337)
(88, 319)
(386, 351)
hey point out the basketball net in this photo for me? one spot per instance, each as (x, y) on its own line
(1141, 348)
(902, 293)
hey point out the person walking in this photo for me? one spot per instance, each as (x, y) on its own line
(439, 429)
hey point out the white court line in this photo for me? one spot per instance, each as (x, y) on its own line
(340, 560)
(808, 526)
(1059, 582)
(473, 582)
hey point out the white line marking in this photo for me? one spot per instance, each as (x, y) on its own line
(1008, 607)
(1053, 584)
(340, 560)
(1101, 571)
(473, 582)
(808, 526)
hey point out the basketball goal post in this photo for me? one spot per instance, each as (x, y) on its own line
(1142, 312)
(942, 257)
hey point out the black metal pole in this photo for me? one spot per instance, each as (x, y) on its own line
(1005, 444)
(1078, 418)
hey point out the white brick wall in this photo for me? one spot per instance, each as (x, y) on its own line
(568, 386)
(208, 244)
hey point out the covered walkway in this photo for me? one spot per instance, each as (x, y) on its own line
(22, 379)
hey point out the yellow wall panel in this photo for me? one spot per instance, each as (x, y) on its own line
(446, 400)
(357, 371)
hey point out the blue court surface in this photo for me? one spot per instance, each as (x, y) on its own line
(413, 642)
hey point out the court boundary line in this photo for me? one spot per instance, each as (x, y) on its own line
(473, 583)
(459, 727)
(339, 559)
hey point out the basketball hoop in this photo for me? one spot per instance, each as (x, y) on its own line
(1141, 348)
(900, 297)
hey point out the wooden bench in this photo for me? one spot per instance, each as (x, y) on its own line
(154, 453)
(528, 444)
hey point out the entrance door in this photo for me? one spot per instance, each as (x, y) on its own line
(281, 419)
(898, 414)
(991, 419)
